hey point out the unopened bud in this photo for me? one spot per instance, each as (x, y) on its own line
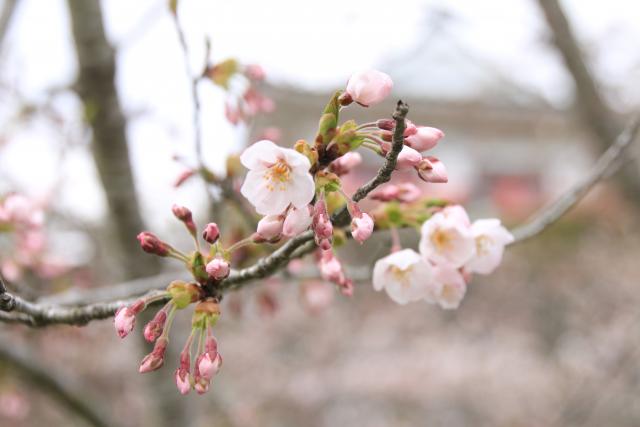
(218, 268)
(433, 170)
(211, 233)
(154, 328)
(185, 215)
(361, 227)
(155, 359)
(150, 243)
(386, 124)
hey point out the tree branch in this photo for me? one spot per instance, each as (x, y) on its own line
(43, 379)
(42, 314)
(38, 314)
(592, 108)
(607, 164)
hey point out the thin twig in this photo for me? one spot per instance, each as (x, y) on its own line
(608, 163)
(38, 314)
(197, 128)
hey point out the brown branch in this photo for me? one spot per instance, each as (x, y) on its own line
(42, 378)
(606, 165)
(38, 314)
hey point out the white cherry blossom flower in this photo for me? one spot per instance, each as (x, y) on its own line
(405, 276)
(451, 286)
(277, 177)
(447, 238)
(490, 238)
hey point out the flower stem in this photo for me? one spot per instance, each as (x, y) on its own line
(239, 244)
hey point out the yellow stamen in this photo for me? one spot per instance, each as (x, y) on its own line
(278, 175)
(441, 239)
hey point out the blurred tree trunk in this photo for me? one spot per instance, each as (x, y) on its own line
(592, 108)
(96, 88)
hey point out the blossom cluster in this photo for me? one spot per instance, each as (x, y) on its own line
(451, 249)
(208, 268)
(299, 191)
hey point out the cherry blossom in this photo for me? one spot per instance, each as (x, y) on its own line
(405, 276)
(490, 238)
(425, 138)
(369, 87)
(277, 178)
(297, 221)
(450, 285)
(430, 169)
(361, 227)
(446, 238)
(270, 227)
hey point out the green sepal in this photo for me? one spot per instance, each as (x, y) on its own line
(198, 267)
(327, 182)
(308, 151)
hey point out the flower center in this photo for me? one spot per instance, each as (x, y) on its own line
(482, 244)
(401, 275)
(278, 175)
(441, 239)
(449, 292)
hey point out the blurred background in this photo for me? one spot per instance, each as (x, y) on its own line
(97, 125)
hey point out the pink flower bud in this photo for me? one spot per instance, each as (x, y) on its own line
(125, 318)
(409, 129)
(270, 227)
(124, 321)
(361, 227)
(408, 158)
(154, 328)
(183, 381)
(183, 177)
(155, 359)
(346, 163)
(331, 268)
(211, 233)
(297, 221)
(386, 124)
(150, 243)
(218, 268)
(431, 169)
(369, 87)
(184, 215)
(322, 227)
(386, 194)
(408, 192)
(209, 365)
(425, 139)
